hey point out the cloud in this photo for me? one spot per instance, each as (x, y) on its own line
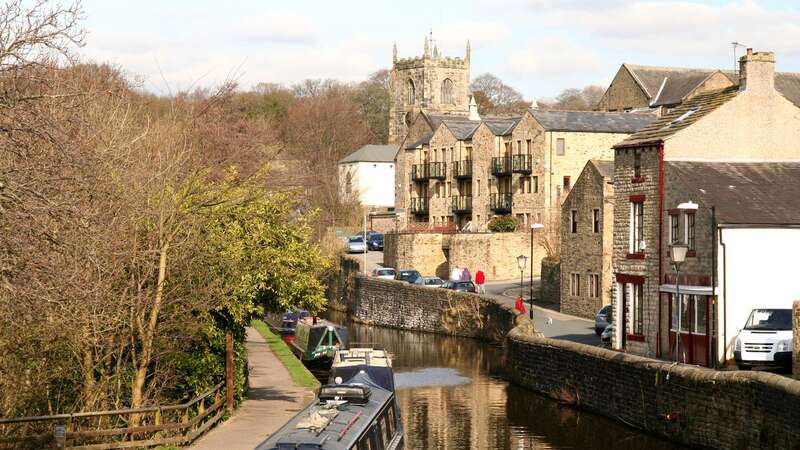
(279, 27)
(552, 58)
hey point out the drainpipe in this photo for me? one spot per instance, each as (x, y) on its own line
(724, 298)
(550, 182)
(715, 348)
(660, 241)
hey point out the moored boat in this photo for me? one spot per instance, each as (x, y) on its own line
(317, 340)
(285, 324)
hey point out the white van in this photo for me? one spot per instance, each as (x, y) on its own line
(765, 340)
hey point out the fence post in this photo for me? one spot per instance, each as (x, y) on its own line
(229, 371)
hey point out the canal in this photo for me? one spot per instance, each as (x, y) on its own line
(453, 396)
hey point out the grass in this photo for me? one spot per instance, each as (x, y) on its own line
(300, 375)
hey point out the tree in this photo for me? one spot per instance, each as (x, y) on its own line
(497, 98)
(585, 99)
(373, 95)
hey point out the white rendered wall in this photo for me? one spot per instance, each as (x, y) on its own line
(371, 182)
(759, 270)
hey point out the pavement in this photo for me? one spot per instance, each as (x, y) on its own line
(271, 401)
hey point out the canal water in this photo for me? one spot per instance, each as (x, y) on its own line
(453, 396)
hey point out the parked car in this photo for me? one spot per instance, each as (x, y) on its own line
(407, 275)
(356, 244)
(461, 286)
(766, 340)
(429, 281)
(605, 336)
(602, 319)
(375, 242)
(386, 273)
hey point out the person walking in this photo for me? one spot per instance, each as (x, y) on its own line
(466, 276)
(480, 278)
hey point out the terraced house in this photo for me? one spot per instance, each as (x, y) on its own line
(734, 153)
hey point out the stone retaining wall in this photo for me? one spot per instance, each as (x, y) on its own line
(695, 406)
(796, 341)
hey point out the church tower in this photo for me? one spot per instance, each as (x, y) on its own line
(432, 83)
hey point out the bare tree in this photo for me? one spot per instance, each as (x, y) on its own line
(585, 99)
(494, 97)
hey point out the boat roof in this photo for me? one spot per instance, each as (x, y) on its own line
(342, 432)
(359, 356)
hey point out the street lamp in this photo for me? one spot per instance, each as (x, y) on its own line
(534, 227)
(522, 262)
(677, 253)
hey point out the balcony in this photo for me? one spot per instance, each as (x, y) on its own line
(521, 164)
(419, 206)
(462, 169)
(420, 172)
(501, 166)
(500, 203)
(437, 170)
(462, 204)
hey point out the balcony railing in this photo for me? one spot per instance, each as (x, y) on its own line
(437, 170)
(500, 203)
(420, 172)
(501, 166)
(419, 206)
(462, 169)
(462, 204)
(521, 163)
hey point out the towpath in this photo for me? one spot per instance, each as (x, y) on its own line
(271, 401)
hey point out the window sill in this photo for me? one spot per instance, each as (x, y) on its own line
(635, 337)
(635, 256)
(637, 180)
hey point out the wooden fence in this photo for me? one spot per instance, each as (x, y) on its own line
(157, 425)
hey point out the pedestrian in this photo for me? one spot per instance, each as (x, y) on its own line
(466, 276)
(480, 278)
(519, 305)
(455, 273)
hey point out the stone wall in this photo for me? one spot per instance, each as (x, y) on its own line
(695, 406)
(550, 290)
(796, 341)
(397, 304)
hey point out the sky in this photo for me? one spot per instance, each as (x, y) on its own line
(538, 46)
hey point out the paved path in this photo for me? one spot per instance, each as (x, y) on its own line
(271, 401)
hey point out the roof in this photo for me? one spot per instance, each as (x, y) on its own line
(592, 121)
(678, 82)
(372, 153)
(681, 117)
(604, 168)
(461, 128)
(426, 139)
(757, 193)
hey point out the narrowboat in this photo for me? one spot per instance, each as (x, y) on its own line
(358, 410)
(317, 340)
(284, 324)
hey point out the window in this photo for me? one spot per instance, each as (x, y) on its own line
(637, 309)
(674, 228)
(594, 285)
(567, 184)
(690, 231)
(535, 183)
(637, 227)
(680, 312)
(479, 189)
(519, 146)
(699, 314)
(575, 284)
(637, 164)
(447, 91)
(560, 147)
(524, 185)
(528, 146)
(596, 220)
(411, 93)
(574, 221)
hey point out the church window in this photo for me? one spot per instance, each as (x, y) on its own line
(411, 92)
(447, 91)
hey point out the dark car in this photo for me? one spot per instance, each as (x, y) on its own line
(407, 275)
(375, 242)
(461, 286)
(602, 319)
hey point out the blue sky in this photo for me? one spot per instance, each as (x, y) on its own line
(538, 46)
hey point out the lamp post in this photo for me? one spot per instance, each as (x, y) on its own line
(677, 252)
(522, 262)
(534, 227)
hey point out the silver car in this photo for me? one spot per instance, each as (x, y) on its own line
(386, 273)
(433, 282)
(356, 244)
(602, 319)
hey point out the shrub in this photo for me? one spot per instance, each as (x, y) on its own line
(503, 224)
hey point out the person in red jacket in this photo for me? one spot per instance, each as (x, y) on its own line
(480, 279)
(520, 306)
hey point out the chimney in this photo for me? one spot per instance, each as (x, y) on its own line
(757, 72)
(473, 109)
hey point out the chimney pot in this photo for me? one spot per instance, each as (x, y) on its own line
(749, 51)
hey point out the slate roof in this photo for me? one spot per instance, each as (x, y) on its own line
(604, 167)
(501, 126)
(371, 153)
(682, 81)
(679, 118)
(756, 193)
(462, 129)
(426, 139)
(592, 121)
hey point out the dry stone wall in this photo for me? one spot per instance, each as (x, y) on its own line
(698, 407)
(796, 341)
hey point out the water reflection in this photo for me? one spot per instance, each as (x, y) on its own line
(453, 396)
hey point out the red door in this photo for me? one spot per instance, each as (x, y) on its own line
(693, 348)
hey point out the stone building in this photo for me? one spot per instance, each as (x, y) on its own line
(724, 148)
(432, 83)
(587, 227)
(637, 87)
